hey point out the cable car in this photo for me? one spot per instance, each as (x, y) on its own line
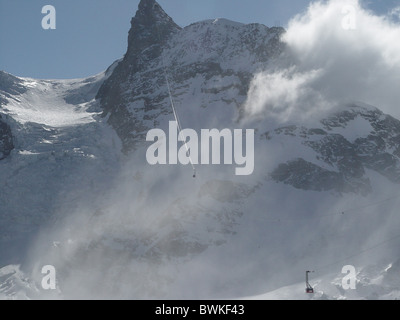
(309, 288)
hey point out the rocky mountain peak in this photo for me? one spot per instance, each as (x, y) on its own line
(150, 26)
(196, 58)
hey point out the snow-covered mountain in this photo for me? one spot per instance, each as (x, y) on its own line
(208, 62)
(76, 191)
(342, 147)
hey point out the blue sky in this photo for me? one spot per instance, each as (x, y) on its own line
(91, 34)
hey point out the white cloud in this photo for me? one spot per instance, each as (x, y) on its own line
(283, 92)
(341, 52)
(395, 14)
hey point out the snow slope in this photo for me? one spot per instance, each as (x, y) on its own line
(54, 141)
(379, 282)
(43, 103)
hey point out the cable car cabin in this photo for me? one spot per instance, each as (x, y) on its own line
(309, 289)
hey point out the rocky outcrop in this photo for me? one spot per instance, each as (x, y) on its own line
(6, 139)
(346, 157)
(136, 98)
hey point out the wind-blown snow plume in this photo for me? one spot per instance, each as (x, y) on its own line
(284, 93)
(341, 52)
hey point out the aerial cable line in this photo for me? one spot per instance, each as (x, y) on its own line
(176, 116)
(332, 214)
(310, 289)
(379, 244)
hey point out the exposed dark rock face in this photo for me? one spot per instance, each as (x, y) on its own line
(135, 97)
(378, 150)
(9, 86)
(6, 139)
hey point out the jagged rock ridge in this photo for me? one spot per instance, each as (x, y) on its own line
(136, 97)
(345, 158)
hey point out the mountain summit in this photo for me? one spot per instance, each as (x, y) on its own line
(219, 55)
(150, 26)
